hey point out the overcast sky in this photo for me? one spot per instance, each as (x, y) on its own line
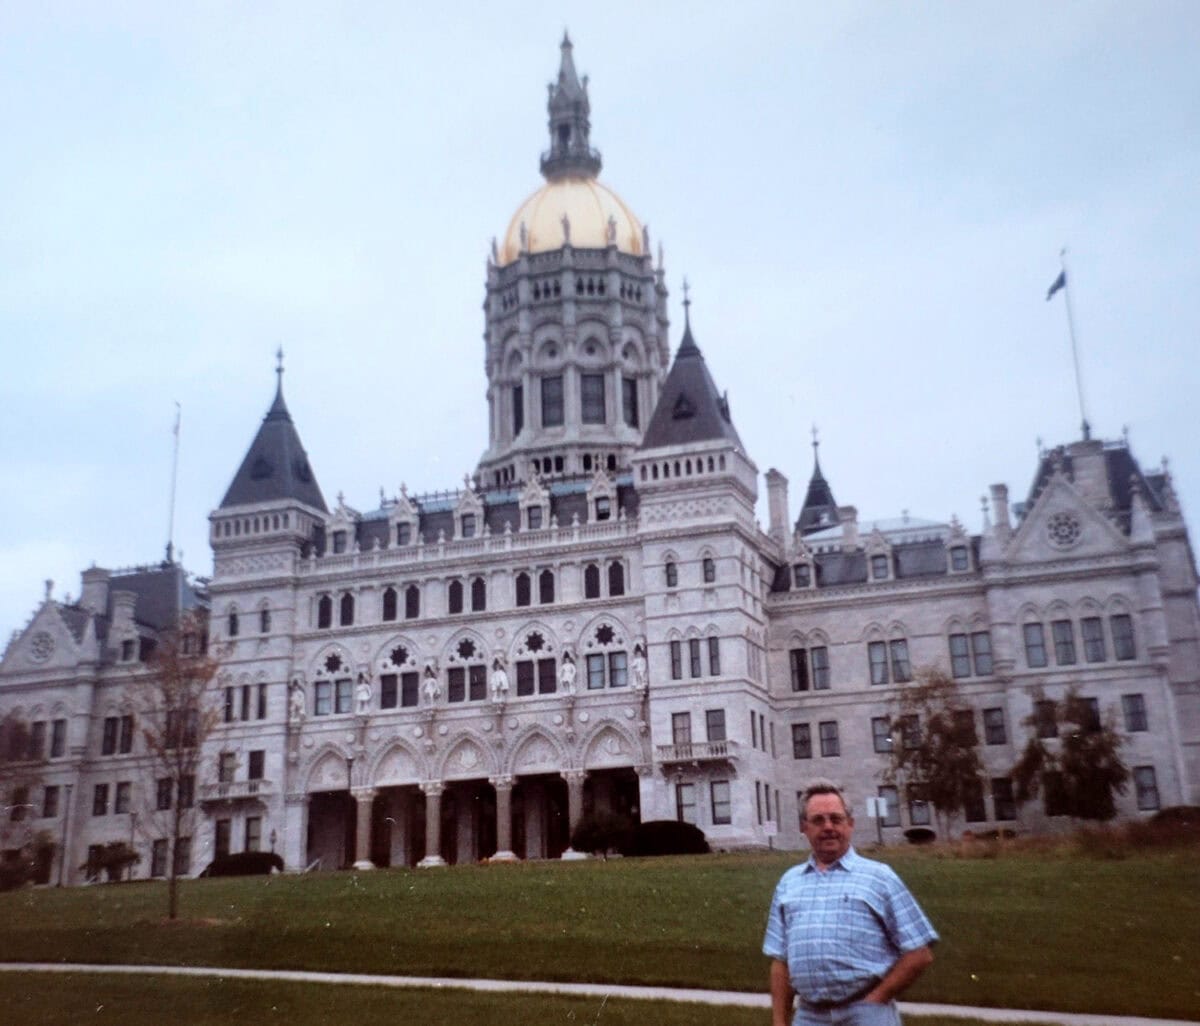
(868, 199)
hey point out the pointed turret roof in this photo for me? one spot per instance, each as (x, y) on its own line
(690, 409)
(820, 507)
(570, 154)
(276, 465)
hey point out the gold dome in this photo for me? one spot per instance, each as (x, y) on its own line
(588, 206)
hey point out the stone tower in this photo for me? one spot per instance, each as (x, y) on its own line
(576, 316)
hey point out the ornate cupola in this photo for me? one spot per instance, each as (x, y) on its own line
(576, 316)
(569, 155)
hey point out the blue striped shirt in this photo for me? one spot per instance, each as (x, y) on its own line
(841, 930)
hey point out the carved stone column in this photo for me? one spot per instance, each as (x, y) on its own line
(295, 830)
(433, 825)
(504, 789)
(574, 779)
(365, 797)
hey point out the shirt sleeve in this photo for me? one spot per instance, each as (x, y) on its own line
(908, 927)
(775, 939)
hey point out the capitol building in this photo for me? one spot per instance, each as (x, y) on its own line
(595, 620)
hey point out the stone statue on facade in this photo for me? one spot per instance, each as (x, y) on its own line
(431, 686)
(499, 681)
(566, 674)
(639, 668)
(362, 694)
(295, 704)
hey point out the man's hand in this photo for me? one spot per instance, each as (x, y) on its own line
(901, 976)
(782, 994)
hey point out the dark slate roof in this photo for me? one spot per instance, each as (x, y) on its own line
(920, 559)
(690, 409)
(835, 568)
(820, 507)
(276, 466)
(162, 594)
(1120, 467)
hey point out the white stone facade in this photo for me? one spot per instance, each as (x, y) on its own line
(595, 621)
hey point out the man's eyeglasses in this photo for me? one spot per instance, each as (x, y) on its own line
(834, 819)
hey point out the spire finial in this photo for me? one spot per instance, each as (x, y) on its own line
(687, 301)
(816, 441)
(279, 365)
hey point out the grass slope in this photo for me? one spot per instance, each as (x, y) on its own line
(1069, 934)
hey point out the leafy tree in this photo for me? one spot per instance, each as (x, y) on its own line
(22, 759)
(177, 710)
(1082, 772)
(935, 750)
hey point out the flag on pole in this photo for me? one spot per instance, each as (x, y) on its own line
(1059, 283)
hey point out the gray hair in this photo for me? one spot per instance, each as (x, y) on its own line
(823, 786)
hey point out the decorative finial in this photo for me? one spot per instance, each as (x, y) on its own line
(687, 303)
(495, 251)
(610, 232)
(1038, 443)
(1125, 434)
(524, 238)
(566, 227)
(49, 588)
(279, 364)
(816, 442)
(404, 489)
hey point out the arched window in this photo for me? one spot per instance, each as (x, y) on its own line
(346, 610)
(616, 578)
(412, 602)
(324, 612)
(478, 595)
(234, 624)
(710, 570)
(264, 620)
(454, 598)
(389, 603)
(672, 575)
(523, 589)
(546, 587)
(591, 581)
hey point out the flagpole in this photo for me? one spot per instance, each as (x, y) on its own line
(174, 478)
(1087, 430)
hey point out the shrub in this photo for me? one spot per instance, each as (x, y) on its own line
(603, 832)
(919, 835)
(111, 859)
(668, 837)
(245, 863)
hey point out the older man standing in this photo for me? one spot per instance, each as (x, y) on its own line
(844, 934)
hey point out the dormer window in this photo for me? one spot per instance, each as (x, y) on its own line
(468, 525)
(603, 508)
(534, 517)
(339, 542)
(404, 534)
(879, 568)
(802, 574)
(128, 649)
(958, 559)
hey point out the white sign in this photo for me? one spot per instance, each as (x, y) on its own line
(877, 808)
(771, 828)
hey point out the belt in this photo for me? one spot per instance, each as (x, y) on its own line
(825, 1006)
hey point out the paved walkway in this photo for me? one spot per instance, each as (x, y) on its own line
(705, 997)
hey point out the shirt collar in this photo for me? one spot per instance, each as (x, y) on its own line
(846, 863)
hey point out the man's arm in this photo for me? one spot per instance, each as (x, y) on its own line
(782, 994)
(901, 975)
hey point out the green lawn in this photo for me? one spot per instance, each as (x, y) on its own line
(35, 999)
(1070, 934)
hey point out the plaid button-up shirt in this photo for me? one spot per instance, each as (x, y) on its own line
(841, 930)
